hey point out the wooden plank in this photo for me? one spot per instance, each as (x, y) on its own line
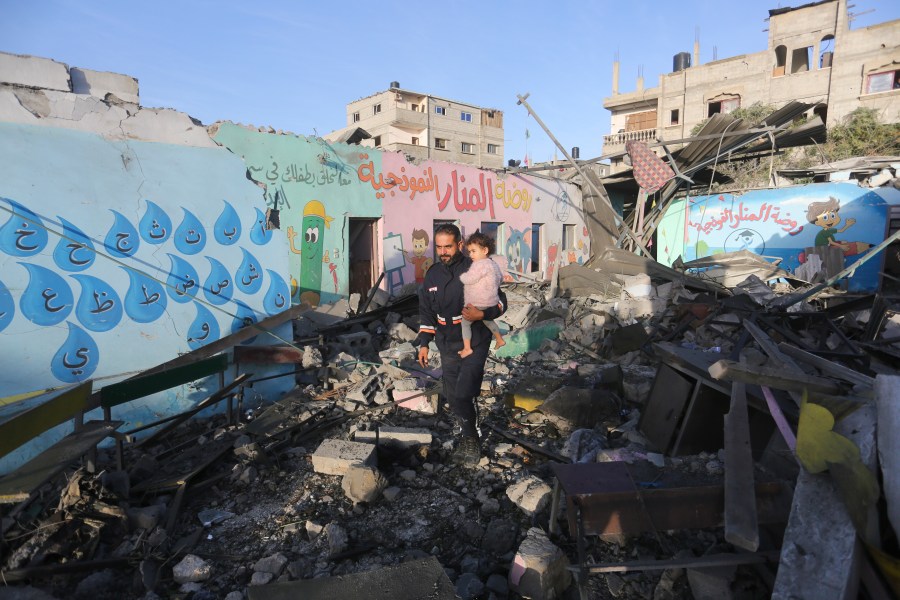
(741, 527)
(144, 385)
(17, 486)
(826, 366)
(29, 424)
(710, 560)
(218, 346)
(772, 351)
(771, 377)
(267, 355)
(660, 418)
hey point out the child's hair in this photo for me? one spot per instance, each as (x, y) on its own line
(480, 239)
(817, 208)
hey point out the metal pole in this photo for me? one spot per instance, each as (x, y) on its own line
(597, 190)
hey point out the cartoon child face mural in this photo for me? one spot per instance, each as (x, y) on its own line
(418, 259)
(311, 251)
(825, 215)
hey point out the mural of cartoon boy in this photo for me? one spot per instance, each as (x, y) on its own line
(421, 262)
(825, 215)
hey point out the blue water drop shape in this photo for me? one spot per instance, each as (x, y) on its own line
(259, 235)
(190, 237)
(183, 281)
(99, 307)
(122, 240)
(278, 297)
(145, 300)
(155, 226)
(74, 252)
(245, 316)
(23, 234)
(248, 276)
(227, 229)
(204, 329)
(218, 287)
(47, 299)
(78, 357)
(7, 307)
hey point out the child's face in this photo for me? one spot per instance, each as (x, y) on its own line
(828, 219)
(419, 246)
(477, 252)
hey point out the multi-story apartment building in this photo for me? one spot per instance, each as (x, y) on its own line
(429, 127)
(812, 56)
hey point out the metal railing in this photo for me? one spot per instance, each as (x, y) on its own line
(643, 135)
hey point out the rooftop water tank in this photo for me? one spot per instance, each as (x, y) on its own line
(681, 61)
(396, 84)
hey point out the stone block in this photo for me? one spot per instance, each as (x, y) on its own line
(530, 494)
(191, 568)
(396, 436)
(539, 570)
(334, 457)
(34, 71)
(365, 391)
(356, 342)
(101, 83)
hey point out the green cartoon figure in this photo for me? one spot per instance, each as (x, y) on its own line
(312, 230)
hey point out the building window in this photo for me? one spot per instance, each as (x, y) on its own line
(414, 107)
(780, 61)
(467, 148)
(826, 51)
(493, 149)
(377, 140)
(493, 231)
(568, 240)
(724, 106)
(376, 109)
(882, 82)
(800, 60)
(674, 117)
(415, 141)
(440, 144)
(440, 110)
(356, 117)
(465, 116)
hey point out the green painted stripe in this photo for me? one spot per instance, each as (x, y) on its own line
(140, 386)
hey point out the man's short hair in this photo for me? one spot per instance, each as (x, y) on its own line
(449, 229)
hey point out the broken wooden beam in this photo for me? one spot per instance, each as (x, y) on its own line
(741, 528)
(826, 366)
(699, 562)
(771, 377)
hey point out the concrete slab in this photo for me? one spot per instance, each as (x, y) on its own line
(424, 578)
(334, 457)
(34, 71)
(413, 400)
(100, 83)
(400, 436)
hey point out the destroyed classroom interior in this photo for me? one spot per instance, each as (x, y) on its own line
(718, 428)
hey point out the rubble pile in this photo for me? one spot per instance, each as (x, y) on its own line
(350, 473)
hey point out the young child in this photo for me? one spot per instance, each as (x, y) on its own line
(481, 282)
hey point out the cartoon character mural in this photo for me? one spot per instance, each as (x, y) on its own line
(518, 252)
(420, 261)
(825, 215)
(311, 251)
(552, 252)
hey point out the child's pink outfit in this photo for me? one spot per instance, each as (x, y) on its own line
(480, 284)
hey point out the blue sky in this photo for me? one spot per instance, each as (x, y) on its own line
(295, 65)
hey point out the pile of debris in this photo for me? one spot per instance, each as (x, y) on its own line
(639, 438)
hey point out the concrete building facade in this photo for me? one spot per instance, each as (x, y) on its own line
(812, 56)
(428, 127)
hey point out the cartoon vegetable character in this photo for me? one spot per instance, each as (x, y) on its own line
(312, 230)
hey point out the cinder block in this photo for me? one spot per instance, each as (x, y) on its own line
(334, 457)
(365, 391)
(355, 341)
(399, 436)
(412, 400)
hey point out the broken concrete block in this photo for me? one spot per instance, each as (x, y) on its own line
(416, 401)
(539, 570)
(312, 357)
(396, 436)
(271, 564)
(399, 331)
(398, 352)
(336, 537)
(334, 457)
(363, 484)
(356, 342)
(100, 84)
(261, 578)
(637, 286)
(365, 391)
(191, 568)
(379, 298)
(530, 494)
(313, 530)
(531, 392)
(529, 338)
(34, 71)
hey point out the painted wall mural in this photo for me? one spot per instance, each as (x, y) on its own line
(818, 227)
(130, 254)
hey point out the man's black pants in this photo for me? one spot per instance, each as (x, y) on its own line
(462, 383)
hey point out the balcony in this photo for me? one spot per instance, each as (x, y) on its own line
(410, 118)
(619, 139)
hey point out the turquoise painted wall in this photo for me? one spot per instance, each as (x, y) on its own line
(116, 256)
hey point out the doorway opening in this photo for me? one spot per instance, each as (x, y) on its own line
(362, 255)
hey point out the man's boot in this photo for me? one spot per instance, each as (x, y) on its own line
(468, 452)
